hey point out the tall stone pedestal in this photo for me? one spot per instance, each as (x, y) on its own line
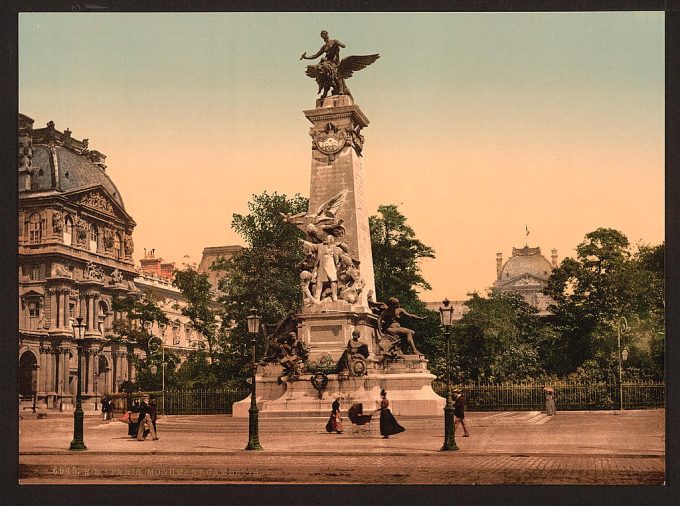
(337, 165)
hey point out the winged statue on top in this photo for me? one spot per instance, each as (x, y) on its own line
(330, 73)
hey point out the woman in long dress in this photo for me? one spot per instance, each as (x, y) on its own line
(550, 403)
(335, 421)
(388, 424)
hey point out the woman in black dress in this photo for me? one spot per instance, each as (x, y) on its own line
(335, 421)
(388, 424)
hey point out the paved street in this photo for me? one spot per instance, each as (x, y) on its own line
(504, 448)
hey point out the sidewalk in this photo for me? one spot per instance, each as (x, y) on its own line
(506, 447)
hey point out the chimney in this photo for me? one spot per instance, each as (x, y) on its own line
(150, 265)
(167, 270)
(499, 263)
(25, 152)
(554, 257)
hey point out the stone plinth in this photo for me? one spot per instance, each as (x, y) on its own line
(408, 384)
(337, 166)
(326, 329)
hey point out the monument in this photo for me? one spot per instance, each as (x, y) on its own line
(341, 342)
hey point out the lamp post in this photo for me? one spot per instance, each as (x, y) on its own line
(622, 328)
(253, 437)
(446, 315)
(154, 343)
(77, 443)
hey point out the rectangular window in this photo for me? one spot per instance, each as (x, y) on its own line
(35, 272)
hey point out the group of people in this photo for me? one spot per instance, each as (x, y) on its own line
(141, 418)
(388, 424)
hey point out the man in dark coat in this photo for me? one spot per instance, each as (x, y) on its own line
(459, 412)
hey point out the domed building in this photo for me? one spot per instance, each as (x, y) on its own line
(75, 256)
(526, 272)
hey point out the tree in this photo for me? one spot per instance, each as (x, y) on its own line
(263, 275)
(396, 254)
(605, 282)
(500, 338)
(201, 307)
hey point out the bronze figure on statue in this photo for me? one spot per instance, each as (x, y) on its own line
(330, 73)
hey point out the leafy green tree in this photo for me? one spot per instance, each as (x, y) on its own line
(396, 256)
(140, 311)
(500, 338)
(263, 275)
(604, 283)
(201, 307)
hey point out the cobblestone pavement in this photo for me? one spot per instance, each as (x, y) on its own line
(504, 448)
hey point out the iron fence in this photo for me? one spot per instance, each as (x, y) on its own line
(186, 402)
(569, 396)
(202, 402)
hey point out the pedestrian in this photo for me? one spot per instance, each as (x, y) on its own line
(388, 424)
(134, 419)
(550, 402)
(335, 421)
(104, 407)
(459, 412)
(107, 407)
(145, 421)
(153, 412)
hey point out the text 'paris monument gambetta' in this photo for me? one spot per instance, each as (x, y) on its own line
(342, 341)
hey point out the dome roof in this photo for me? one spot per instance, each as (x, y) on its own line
(74, 172)
(525, 261)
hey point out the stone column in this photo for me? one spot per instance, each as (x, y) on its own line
(65, 300)
(41, 371)
(66, 371)
(90, 371)
(53, 309)
(49, 370)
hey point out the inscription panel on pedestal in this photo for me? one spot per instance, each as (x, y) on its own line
(326, 334)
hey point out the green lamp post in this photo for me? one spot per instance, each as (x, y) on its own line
(446, 315)
(253, 436)
(77, 443)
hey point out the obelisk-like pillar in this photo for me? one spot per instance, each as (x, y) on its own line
(337, 165)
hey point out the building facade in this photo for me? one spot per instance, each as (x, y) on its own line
(75, 257)
(526, 272)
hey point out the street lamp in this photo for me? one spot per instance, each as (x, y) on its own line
(253, 437)
(78, 443)
(446, 315)
(154, 343)
(622, 328)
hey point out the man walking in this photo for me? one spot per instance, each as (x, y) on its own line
(459, 412)
(145, 421)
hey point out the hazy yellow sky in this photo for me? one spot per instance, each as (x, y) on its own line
(481, 123)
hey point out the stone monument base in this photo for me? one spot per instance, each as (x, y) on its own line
(407, 381)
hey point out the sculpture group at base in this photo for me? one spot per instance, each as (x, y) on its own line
(328, 266)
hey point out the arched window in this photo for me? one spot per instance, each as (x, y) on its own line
(68, 231)
(93, 238)
(35, 226)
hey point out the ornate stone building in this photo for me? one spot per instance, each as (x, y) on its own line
(155, 279)
(526, 272)
(75, 256)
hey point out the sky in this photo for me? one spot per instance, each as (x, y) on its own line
(482, 125)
